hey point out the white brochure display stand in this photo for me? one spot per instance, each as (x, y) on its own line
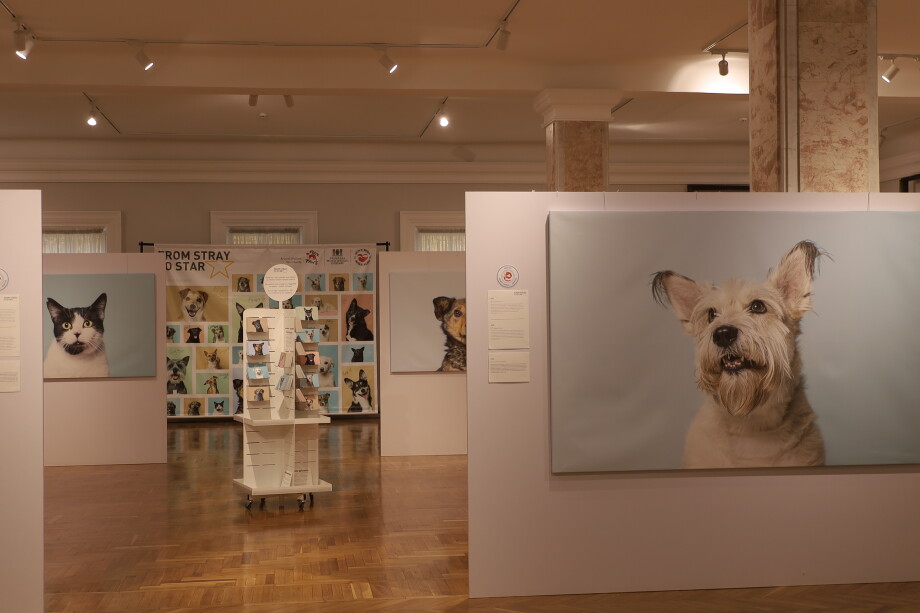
(280, 410)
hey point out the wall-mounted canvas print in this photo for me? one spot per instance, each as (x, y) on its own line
(707, 340)
(100, 325)
(428, 321)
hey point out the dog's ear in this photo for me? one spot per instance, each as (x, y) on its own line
(441, 304)
(794, 276)
(678, 292)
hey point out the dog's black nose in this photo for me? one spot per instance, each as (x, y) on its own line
(723, 336)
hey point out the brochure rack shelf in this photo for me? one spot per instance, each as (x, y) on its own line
(280, 420)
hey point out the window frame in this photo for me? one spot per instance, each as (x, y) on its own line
(223, 221)
(110, 221)
(410, 222)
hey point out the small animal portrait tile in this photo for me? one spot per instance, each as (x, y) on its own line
(339, 282)
(195, 407)
(219, 406)
(218, 333)
(242, 283)
(362, 282)
(315, 282)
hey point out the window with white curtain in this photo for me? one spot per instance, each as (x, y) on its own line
(81, 231)
(432, 231)
(263, 236)
(264, 227)
(440, 239)
(76, 240)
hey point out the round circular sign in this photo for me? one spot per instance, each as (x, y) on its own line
(508, 276)
(280, 282)
(4, 279)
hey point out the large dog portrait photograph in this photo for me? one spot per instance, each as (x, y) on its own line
(716, 340)
(428, 321)
(99, 325)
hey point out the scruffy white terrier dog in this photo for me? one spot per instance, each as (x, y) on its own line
(749, 366)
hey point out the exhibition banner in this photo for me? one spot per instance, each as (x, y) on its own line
(210, 286)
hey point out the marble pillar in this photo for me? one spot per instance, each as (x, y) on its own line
(813, 95)
(576, 124)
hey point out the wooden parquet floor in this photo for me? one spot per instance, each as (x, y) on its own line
(392, 536)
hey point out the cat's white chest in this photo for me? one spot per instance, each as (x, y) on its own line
(61, 365)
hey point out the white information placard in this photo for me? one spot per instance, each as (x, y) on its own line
(509, 367)
(9, 326)
(509, 319)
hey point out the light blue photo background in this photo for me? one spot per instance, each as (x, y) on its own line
(623, 391)
(130, 316)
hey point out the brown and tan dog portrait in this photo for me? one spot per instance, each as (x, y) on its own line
(451, 312)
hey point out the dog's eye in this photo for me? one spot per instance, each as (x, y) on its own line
(458, 313)
(757, 306)
(712, 315)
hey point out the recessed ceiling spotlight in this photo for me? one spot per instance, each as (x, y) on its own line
(387, 62)
(889, 75)
(443, 121)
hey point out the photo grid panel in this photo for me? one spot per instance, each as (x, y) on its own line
(209, 287)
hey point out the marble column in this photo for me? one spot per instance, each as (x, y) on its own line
(813, 95)
(576, 124)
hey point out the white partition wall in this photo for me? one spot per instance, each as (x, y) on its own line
(425, 412)
(108, 421)
(22, 539)
(532, 532)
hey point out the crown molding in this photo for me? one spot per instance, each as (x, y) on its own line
(896, 167)
(200, 171)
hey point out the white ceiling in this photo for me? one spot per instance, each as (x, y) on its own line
(212, 54)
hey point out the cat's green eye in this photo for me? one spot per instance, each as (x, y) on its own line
(67, 325)
(87, 324)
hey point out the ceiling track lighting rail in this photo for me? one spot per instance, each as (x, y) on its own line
(500, 34)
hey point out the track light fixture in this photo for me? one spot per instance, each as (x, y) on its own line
(23, 41)
(91, 120)
(143, 59)
(253, 99)
(723, 66)
(501, 39)
(288, 100)
(387, 62)
(892, 71)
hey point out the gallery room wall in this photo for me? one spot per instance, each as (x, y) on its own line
(21, 540)
(179, 212)
(114, 420)
(425, 411)
(636, 531)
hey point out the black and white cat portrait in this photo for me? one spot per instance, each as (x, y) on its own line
(78, 348)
